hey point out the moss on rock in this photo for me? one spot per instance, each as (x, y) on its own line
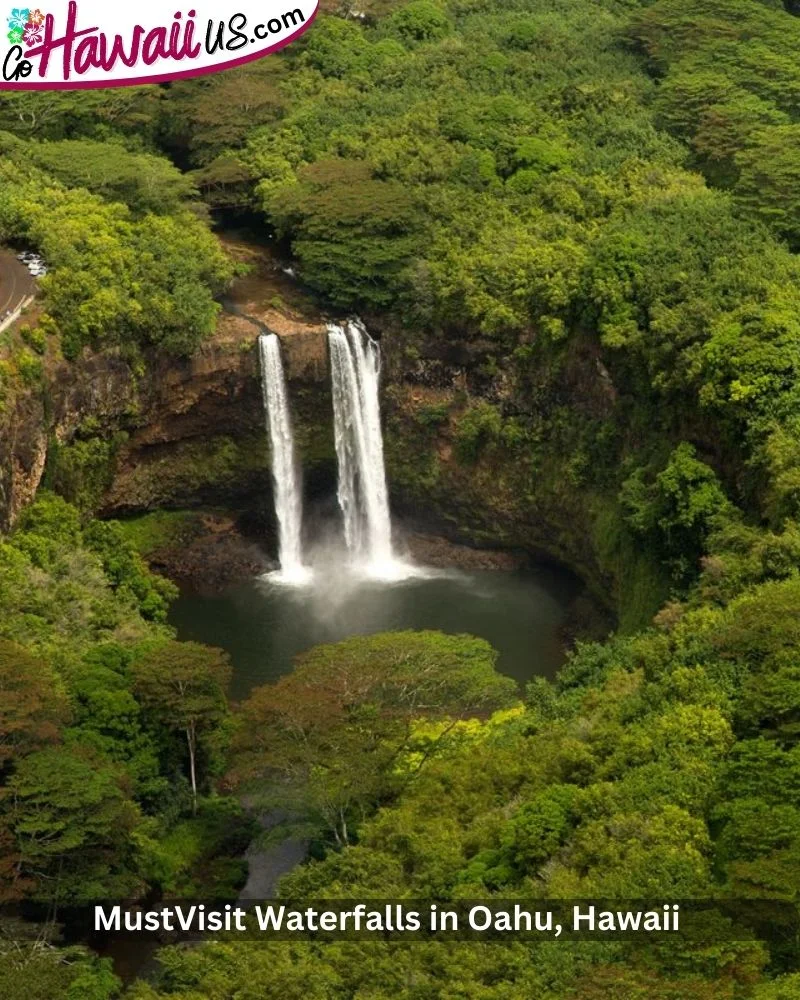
(192, 472)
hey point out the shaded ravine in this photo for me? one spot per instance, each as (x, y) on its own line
(269, 863)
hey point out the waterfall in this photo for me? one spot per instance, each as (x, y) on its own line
(362, 492)
(288, 492)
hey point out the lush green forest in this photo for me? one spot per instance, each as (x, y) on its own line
(540, 178)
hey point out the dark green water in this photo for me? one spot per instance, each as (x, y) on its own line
(263, 626)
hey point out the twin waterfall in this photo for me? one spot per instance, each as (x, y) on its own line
(285, 475)
(362, 492)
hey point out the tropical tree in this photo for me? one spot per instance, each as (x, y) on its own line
(72, 819)
(182, 684)
(330, 735)
(33, 704)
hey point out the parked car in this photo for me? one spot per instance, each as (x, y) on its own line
(34, 262)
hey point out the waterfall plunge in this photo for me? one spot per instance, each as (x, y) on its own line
(363, 496)
(288, 492)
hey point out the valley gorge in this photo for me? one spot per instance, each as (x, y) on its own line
(189, 433)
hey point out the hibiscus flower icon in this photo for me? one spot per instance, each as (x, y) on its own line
(18, 18)
(15, 36)
(36, 18)
(33, 34)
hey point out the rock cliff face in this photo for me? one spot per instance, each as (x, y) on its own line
(194, 428)
(462, 463)
(199, 434)
(100, 387)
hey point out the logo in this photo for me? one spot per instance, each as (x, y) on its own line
(90, 43)
(25, 25)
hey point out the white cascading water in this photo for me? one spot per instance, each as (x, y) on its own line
(363, 496)
(288, 491)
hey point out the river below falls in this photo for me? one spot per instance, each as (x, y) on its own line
(263, 625)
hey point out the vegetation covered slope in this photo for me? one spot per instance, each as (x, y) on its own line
(527, 181)
(130, 265)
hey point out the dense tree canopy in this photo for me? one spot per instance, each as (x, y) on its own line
(537, 190)
(92, 776)
(183, 685)
(115, 279)
(329, 739)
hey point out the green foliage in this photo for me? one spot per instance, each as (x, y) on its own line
(115, 279)
(201, 856)
(216, 114)
(34, 338)
(41, 972)
(433, 416)
(89, 758)
(495, 176)
(72, 820)
(108, 720)
(83, 470)
(334, 50)
(348, 226)
(144, 182)
(419, 21)
(783, 988)
(182, 685)
(478, 428)
(127, 572)
(33, 706)
(729, 87)
(29, 367)
(625, 781)
(329, 738)
(768, 179)
(158, 530)
(540, 827)
(56, 596)
(72, 115)
(676, 510)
